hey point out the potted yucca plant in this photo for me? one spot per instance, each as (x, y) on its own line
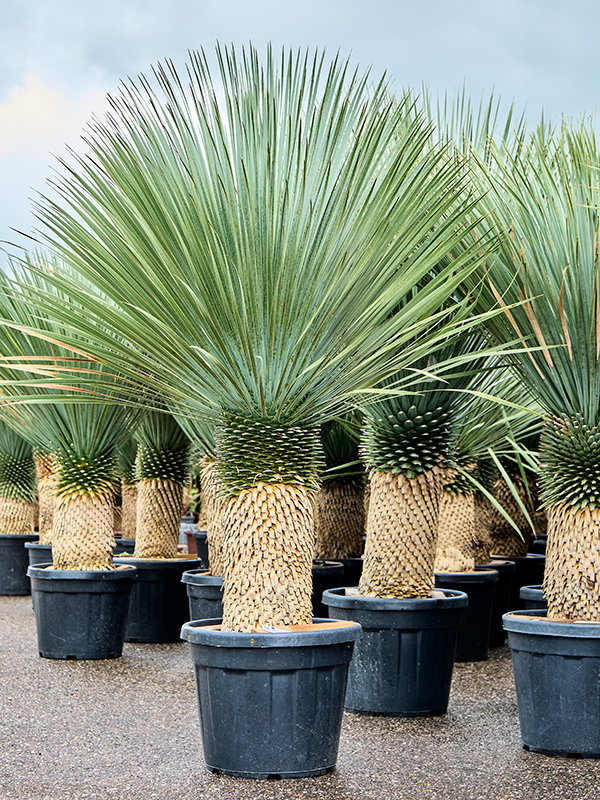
(17, 492)
(81, 600)
(548, 199)
(247, 256)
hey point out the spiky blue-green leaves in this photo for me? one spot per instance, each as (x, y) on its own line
(570, 462)
(250, 451)
(85, 473)
(163, 449)
(407, 440)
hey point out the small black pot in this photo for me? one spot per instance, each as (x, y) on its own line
(270, 704)
(14, 560)
(205, 594)
(533, 597)
(403, 664)
(538, 545)
(124, 546)
(557, 675)
(81, 614)
(325, 575)
(506, 571)
(353, 568)
(38, 553)
(202, 547)
(473, 635)
(529, 572)
(159, 603)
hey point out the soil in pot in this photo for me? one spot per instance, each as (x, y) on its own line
(403, 664)
(159, 604)
(14, 560)
(81, 614)
(557, 678)
(271, 704)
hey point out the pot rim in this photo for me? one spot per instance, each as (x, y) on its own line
(338, 599)
(484, 575)
(527, 557)
(40, 571)
(533, 622)
(160, 563)
(200, 632)
(201, 577)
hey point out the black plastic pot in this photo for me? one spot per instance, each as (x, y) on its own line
(506, 571)
(473, 635)
(538, 545)
(403, 664)
(529, 572)
(557, 677)
(159, 603)
(205, 594)
(325, 575)
(353, 568)
(202, 547)
(14, 560)
(124, 546)
(81, 614)
(38, 553)
(270, 704)
(533, 597)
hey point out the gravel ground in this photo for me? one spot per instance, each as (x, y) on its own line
(128, 728)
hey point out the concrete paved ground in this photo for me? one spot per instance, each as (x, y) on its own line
(128, 729)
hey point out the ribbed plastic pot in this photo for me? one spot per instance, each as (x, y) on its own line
(14, 560)
(270, 704)
(325, 575)
(353, 568)
(38, 553)
(557, 677)
(205, 594)
(529, 572)
(403, 664)
(159, 604)
(533, 597)
(506, 571)
(81, 614)
(200, 537)
(473, 635)
(124, 546)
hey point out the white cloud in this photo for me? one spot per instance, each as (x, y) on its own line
(38, 118)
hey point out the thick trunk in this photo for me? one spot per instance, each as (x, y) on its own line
(268, 544)
(506, 541)
(401, 534)
(16, 516)
(340, 521)
(44, 465)
(159, 505)
(484, 515)
(456, 533)
(128, 509)
(213, 505)
(82, 532)
(572, 576)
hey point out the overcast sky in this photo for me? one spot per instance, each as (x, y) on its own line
(59, 58)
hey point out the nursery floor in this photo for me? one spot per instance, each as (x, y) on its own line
(128, 728)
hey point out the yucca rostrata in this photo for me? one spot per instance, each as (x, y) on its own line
(548, 201)
(340, 513)
(127, 455)
(488, 422)
(161, 468)
(83, 438)
(17, 482)
(248, 247)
